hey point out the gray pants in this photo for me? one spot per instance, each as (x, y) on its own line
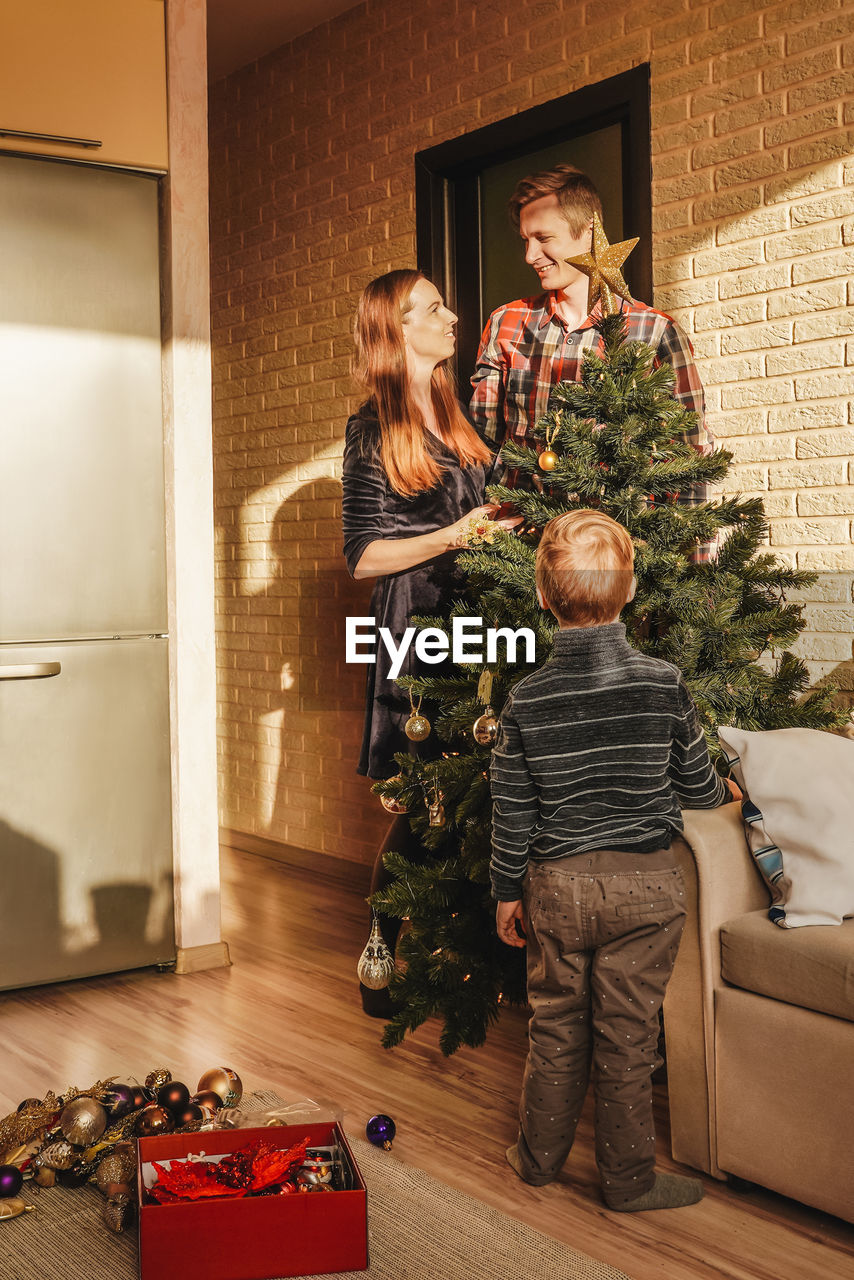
(603, 931)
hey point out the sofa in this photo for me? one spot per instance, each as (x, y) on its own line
(759, 1029)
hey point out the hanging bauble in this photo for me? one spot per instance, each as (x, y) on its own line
(142, 1096)
(392, 805)
(209, 1102)
(380, 1130)
(436, 812)
(376, 963)
(119, 1100)
(157, 1077)
(485, 729)
(12, 1208)
(548, 460)
(119, 1212)
(174, 1095)
(11, 1180)
(225, 1082)
(154, 1119)
(83, 1121)
(58, 1155)
(27, 1103)
(417, 727)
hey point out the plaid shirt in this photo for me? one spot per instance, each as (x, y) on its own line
(527, 348)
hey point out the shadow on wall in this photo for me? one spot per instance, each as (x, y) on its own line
(36, 941)
(326, 694)
(289, 765)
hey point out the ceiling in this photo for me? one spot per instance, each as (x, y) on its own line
(239, 31)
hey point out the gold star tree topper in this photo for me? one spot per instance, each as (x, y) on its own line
(602, 265)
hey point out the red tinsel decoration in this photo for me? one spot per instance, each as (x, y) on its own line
(252, 1168)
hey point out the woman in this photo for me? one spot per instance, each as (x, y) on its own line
(414, 476)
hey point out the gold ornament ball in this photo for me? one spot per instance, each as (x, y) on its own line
(417, 728)
(83, 1121)
(157, 1078)
(547, 460)
(485, 729)
(224, 1082)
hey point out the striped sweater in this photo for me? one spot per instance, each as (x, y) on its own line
(599, 749)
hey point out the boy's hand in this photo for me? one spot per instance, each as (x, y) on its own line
(506, 915)
(737, 793)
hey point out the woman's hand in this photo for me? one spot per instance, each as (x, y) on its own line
(458, 531)
(393, 555)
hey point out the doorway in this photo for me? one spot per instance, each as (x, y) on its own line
(466, 244)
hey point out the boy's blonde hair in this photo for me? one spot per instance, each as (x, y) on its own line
(585, 567)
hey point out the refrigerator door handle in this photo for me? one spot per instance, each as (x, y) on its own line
(30, 671)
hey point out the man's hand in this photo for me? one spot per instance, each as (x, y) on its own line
(506, 915)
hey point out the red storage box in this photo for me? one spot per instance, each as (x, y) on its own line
(251, 1238)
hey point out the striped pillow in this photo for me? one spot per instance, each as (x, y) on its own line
(799, 811)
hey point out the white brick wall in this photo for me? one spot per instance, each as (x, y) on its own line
(312, 195)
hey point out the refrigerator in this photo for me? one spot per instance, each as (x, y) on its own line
(85, 790)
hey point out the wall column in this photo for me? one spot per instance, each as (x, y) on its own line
(189, 494)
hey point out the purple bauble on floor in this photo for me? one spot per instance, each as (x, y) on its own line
(380, 1130)
(11, 1181)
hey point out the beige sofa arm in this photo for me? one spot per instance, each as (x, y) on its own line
(721, 881)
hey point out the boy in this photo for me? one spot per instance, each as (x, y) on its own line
(598, 750)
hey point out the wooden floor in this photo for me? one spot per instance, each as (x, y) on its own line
(286, 1016)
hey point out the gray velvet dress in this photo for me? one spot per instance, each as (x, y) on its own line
(371, 509)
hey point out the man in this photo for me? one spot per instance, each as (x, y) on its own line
(530, 345)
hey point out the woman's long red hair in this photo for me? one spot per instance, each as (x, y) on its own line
(381, 368)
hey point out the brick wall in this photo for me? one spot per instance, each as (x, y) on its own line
(312, 196)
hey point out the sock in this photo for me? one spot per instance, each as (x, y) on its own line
(669, 1191)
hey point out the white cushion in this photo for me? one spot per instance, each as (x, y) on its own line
(800, 817)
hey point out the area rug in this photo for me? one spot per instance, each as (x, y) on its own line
(418, 1229)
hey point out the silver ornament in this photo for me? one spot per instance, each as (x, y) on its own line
(83, 1121)
(376, 963)
(58, 1155)
(485, 729)
(436, 813)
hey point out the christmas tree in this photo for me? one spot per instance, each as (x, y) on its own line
(615, 441)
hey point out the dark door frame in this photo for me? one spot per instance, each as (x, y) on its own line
(447, 188)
